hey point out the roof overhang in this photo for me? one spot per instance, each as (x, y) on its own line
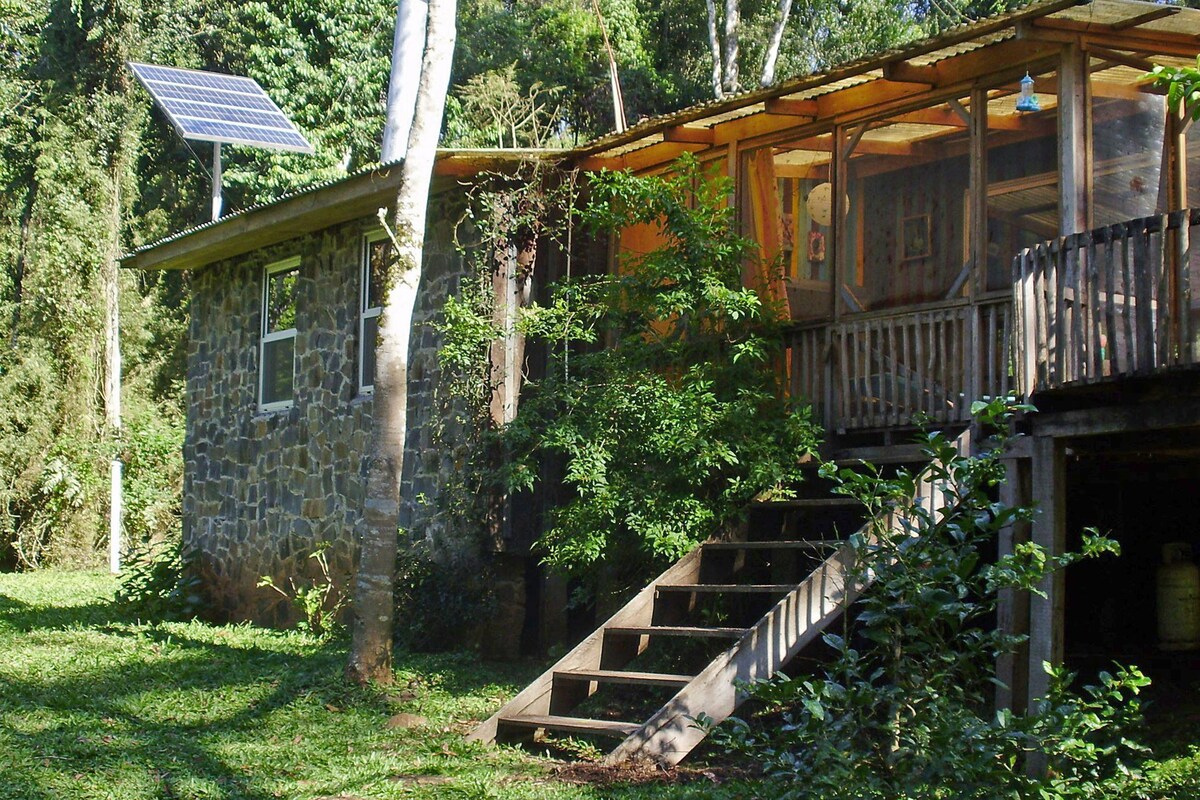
(357, 196)
(1120, 31)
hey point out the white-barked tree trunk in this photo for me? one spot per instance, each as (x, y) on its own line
(430, 26)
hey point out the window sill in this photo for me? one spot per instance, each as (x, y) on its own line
(273, 409)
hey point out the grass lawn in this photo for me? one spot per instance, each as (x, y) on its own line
(94, 705)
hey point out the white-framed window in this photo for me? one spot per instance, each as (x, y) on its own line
(376, 252)
(277, 354)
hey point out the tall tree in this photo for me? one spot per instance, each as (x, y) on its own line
(371, 649)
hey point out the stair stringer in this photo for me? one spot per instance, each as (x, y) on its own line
(797, 619)
(535, 698)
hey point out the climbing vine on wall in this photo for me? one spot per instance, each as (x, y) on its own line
(661, 398)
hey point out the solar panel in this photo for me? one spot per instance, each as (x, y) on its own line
(211, 107)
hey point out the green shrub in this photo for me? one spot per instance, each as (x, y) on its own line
(905, 708)
(661, 399)
(440, 598)
(157, 583)
(319, 601)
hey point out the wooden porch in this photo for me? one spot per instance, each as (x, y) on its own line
(903, 369)
(1110, 303)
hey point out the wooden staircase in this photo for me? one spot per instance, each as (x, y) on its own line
(739, 610)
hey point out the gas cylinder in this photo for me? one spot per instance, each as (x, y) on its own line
(1178, 599)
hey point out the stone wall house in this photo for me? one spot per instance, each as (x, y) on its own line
(279, 400)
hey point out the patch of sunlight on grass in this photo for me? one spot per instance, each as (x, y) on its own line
(96, 705)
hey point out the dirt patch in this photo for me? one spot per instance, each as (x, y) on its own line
(595, 774)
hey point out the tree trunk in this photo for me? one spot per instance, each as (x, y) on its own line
(23, 247)
(374, 606)
(768, 72)
(714, 46)
(408, 45)
(733, 21)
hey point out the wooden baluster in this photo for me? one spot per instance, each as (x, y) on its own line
(1008, 352)
(1129, 256)
(943, 359)
(1041, 313)
(920, 369)
(1078, 354)
(1095, 357)
(1144, 302)
(1053, 315)
(1109, 283)
(931, 401)
(908, 372)
(894, 355)
(1062, 321)
(844, 357)
(1183, 282)
(989, 338)
(879, 368)
(1162, 294)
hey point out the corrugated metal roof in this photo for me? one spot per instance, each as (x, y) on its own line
(953, 42)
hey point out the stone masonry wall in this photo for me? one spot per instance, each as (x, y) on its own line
(262, 489)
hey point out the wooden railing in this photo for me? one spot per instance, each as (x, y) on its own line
(1112, 301)
(898, 369)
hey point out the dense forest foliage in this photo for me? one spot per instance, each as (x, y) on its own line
(88, 170)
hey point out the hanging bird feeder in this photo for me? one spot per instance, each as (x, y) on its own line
(1028, 100)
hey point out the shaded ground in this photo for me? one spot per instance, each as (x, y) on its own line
(93, 705)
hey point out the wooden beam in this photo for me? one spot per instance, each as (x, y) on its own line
(751, 126)
(682, 133)
(858, 146)
(864, 97)
(642, 158)
(790, 107)
(1162, 415)
(1073, 144)
(1163, 43)
(1046, 610)
(1117, 57)
(911, 73)
(1012, 609)
(1148, 16)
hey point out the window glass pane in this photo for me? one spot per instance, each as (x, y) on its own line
(281, 299)
(1022, 164)
(907, 182)
(378, 254)
(1127, 145)
(370, 334)
(278, 365)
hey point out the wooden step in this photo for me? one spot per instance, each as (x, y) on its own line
(886, 454)
(810, 502)
(730, 588)
(677, 630)
(582, 725)
(810, 544)
(621, 676)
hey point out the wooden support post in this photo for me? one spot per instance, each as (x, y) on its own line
(1046, 617)
(1074, 143)
(1012, 612)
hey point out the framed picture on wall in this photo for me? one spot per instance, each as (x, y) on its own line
(914, 237)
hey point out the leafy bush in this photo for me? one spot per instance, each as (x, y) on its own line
(158, 583)
(318, 601)
(905, 708)
(438, 598)
(661, 397)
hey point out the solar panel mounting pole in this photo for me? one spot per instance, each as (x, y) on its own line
(216, 182)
